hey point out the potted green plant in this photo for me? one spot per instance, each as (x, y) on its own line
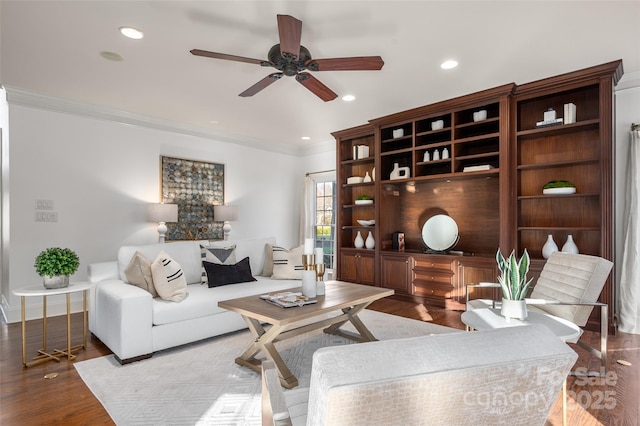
(514, 284)
(55, 265)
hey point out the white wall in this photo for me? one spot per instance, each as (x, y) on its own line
(101, 174)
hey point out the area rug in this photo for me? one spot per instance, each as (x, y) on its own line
(200, 384)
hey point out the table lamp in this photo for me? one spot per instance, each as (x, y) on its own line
(226, 214)
(162, 213)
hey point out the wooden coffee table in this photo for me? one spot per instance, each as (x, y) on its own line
(289, 322)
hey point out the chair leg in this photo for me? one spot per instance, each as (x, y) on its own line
(602, 353)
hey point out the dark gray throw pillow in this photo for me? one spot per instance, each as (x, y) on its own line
(219, 275)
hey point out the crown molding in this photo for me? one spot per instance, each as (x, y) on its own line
(17, 96)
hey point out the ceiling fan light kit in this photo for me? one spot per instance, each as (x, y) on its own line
(293, 60)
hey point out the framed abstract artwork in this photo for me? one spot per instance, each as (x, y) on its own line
(195, 186)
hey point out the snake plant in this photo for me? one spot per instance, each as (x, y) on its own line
(513, 275)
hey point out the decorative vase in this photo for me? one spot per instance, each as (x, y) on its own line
(514, 309)
(426, 157)
(359, 241)
(445, 153)
(549, 247)
(373, 174)
(55, 281)
(370, 242)
(436, 155)
(367, 178)
(569, 246)
(309, 283)
(399, 172)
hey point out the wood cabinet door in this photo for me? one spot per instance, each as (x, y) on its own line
(357, 268)
(366, 269)
(394, 272)
(475, 271)
(348, 267)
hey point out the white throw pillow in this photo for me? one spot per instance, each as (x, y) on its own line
(217, 255)
(287, 264)
(168, 278)
(138, 273)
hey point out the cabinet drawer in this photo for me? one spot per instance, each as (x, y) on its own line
(441, 265)
(432, 276)
(432, 289)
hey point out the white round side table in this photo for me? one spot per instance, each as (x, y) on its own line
(55, 354)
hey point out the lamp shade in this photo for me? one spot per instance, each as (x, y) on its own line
(162, 212)
(225, 213)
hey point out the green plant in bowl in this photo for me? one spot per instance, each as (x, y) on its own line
(558, 184)
(55, 264)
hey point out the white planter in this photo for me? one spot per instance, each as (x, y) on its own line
(514, 309)
(56, 281)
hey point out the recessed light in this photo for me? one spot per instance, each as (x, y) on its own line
(306, 138)
(447, 65)
(131, 32)
(348, 98)
(112, 56)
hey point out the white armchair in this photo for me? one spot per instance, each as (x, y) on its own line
(569, 287)
(486, 377)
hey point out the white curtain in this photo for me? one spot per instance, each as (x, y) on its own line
(630, 279)
(308, 209)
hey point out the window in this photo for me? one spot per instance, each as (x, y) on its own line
(325, 217)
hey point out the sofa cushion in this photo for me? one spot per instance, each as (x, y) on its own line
(287, 264)
(168, 278)
(138, 273)
(219, 255)
(203, 301)
(186, 253)
(267, 270)
(253, 249)
(220, 275)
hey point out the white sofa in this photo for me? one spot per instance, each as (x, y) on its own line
(134, 325)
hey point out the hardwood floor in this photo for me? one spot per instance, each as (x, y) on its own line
(27, 398)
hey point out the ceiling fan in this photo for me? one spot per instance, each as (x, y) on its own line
(290, 58)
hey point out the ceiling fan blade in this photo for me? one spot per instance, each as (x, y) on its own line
(315, 86)
(216, 55)
(270, 79)
(364, 63)
(290, 32)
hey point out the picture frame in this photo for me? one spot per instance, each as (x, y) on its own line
(195, 186)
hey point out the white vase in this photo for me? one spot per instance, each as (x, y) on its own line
(359, 241)
(367, 178)
(514, 309)
(445, 153)
(436, 155)
(569, 246)
(426, 157)
(399, 172)
(549, 247)
(370, 242)
(309, 283)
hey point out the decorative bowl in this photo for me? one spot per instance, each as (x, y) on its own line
(355, 179)
(370, 222)
(559, 191)
(363, 202)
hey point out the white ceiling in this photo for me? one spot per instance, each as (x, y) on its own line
(52, 48)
